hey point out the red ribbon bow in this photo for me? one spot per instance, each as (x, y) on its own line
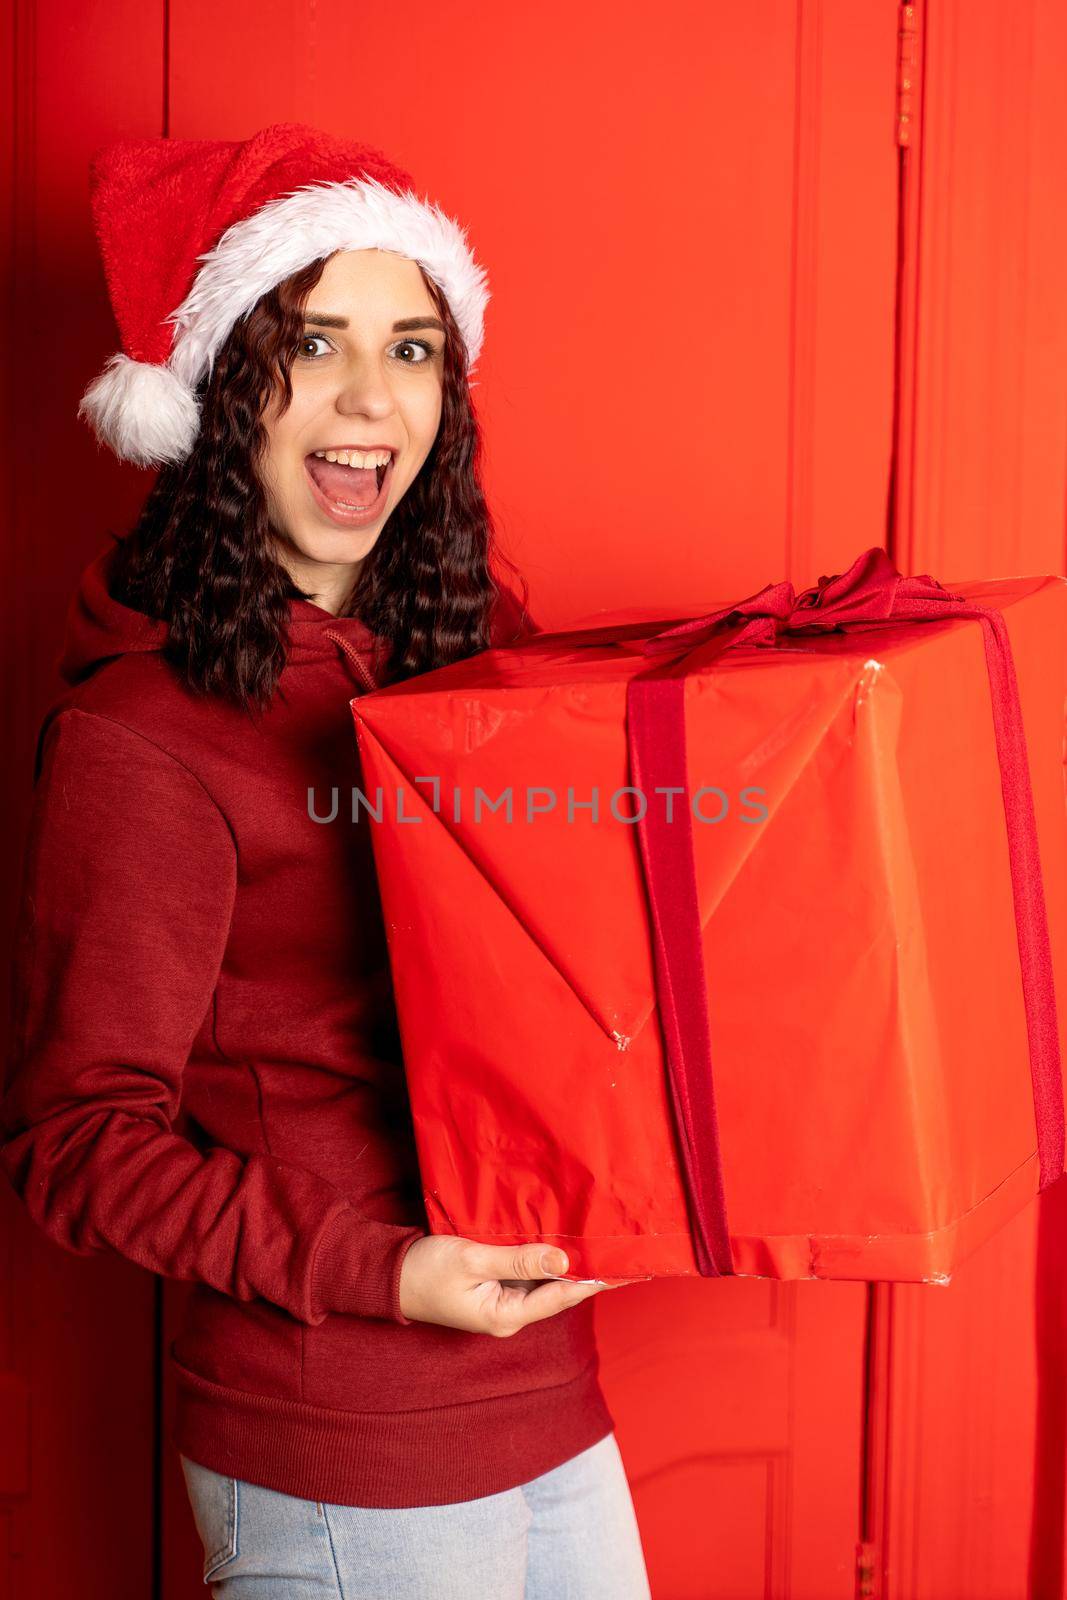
(871, 593)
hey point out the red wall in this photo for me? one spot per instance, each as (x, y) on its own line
(764, 323)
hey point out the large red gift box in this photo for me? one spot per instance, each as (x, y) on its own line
(784, 1003)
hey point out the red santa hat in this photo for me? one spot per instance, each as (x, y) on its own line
(193, 231)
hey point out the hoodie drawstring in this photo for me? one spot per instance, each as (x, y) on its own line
(353, 655)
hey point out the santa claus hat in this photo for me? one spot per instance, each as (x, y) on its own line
(193, 231)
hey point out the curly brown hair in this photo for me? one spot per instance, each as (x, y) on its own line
(202, 556)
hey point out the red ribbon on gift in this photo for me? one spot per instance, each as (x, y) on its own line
(871, 593)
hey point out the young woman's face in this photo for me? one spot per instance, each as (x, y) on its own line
(367, 376)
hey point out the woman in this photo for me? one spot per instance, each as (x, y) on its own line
(207, 1069)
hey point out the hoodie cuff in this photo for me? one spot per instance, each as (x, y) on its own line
(357, 1267)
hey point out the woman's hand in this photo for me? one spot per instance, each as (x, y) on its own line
(486, 1288)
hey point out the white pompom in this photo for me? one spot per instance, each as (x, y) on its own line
(144, 413)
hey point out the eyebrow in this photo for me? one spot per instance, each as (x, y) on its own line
(328, 319)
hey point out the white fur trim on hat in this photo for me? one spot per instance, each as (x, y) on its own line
(289, 233)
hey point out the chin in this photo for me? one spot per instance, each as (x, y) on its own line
(331, 545)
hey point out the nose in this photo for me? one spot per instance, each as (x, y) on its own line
(365, 390)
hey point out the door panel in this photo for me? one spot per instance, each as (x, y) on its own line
(690, 234)
(739, 1410)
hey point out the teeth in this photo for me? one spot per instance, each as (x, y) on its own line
(356, 458)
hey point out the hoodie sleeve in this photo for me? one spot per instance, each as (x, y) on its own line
(128, 888)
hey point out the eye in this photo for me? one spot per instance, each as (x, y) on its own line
(311, 338)
(417, 344)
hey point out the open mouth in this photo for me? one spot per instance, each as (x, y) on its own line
(348, 494)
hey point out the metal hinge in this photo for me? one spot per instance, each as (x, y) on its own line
(907, 75)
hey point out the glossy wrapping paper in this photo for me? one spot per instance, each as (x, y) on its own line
(874, 1105)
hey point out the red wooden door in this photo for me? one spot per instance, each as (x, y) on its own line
(78, 1489)
(960, 1461)
(701, 234)
(969, 1497)
(734, 313)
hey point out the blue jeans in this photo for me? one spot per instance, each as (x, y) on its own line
(570, 1534)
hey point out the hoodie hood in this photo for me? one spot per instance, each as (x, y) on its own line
(99, 628)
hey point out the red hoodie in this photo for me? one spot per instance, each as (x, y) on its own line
(207, 1078)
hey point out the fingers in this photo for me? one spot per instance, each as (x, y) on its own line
(502, 1262)
(519, 1284)
(546, 1300)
